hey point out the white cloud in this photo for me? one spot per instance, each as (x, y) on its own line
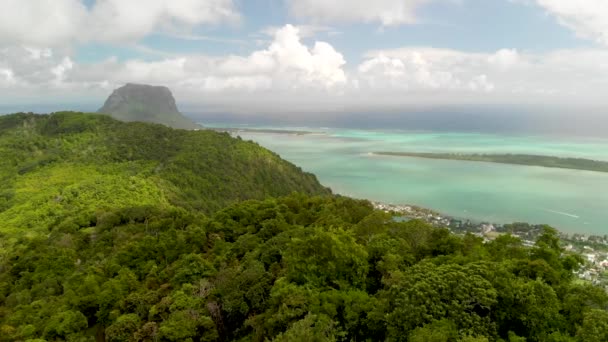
(288, 74)
(320, 65)
(60, 70)
(62, 22)
(419, 69)
(285, 65)
(588, 18)
(385, 12)
(120, 20)
(305, 31)
(35, 67)
(7, 77)
(433, 76)
(480, 83)
(40, 22)
(505, 58)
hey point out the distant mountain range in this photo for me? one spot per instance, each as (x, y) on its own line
(146, 103)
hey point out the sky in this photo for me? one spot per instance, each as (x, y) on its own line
(299, 56)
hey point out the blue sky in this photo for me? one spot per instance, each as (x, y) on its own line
(474, 25)
(307, 55)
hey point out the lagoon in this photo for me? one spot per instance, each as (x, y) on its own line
(573, 201)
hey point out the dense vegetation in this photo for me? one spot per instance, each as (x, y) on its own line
(60, 169)
(516, 159)
(132, 232)
(291, 269)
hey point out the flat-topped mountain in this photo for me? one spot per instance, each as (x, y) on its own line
(140, 102)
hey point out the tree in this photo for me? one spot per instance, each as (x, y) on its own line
(436, 331)
(123, 328)
(65, 323)
(426, 293)
(326, 258)
(594, 327)
(313, 328)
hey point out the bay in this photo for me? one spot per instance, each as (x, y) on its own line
(573, 201)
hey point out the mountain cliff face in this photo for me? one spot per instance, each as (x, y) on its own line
(139, 102)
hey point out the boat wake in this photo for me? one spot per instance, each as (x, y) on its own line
(561, 213)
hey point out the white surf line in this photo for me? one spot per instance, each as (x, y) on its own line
(562, 213)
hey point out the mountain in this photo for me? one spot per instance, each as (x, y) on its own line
(139, 102)
(67, 167)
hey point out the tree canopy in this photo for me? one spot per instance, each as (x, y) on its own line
(137, 232)
(296, 268)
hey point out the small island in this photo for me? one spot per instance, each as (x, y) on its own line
(516, 159)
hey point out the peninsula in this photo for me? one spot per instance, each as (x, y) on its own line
(516, 159)
(260, 130)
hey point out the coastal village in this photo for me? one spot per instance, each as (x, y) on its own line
(593, 248)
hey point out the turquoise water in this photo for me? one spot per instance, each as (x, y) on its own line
(571, 200)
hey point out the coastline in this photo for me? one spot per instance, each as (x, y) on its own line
(471, 225)
(343, 160)
(260, 130)
(593, 248)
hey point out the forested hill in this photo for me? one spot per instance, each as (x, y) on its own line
(113, 231)
(65, 167)
(289, 270)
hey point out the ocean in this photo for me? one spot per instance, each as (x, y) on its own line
(573, 201)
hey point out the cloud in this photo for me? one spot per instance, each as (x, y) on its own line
(285, 65)
(423, 75)
(40, 22)
(30, 66)
(385, 12)
(63, 22)
(427, 69)
(7, 77)
(504, 59)
(305, 31)
(320, 65)
(119, 20)
(588, 18)
(289, 74)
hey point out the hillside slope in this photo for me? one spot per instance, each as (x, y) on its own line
(291, 269)
(104, 237)
(66, 168)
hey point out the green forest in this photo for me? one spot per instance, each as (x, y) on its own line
(115, 231)
(61, 169)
